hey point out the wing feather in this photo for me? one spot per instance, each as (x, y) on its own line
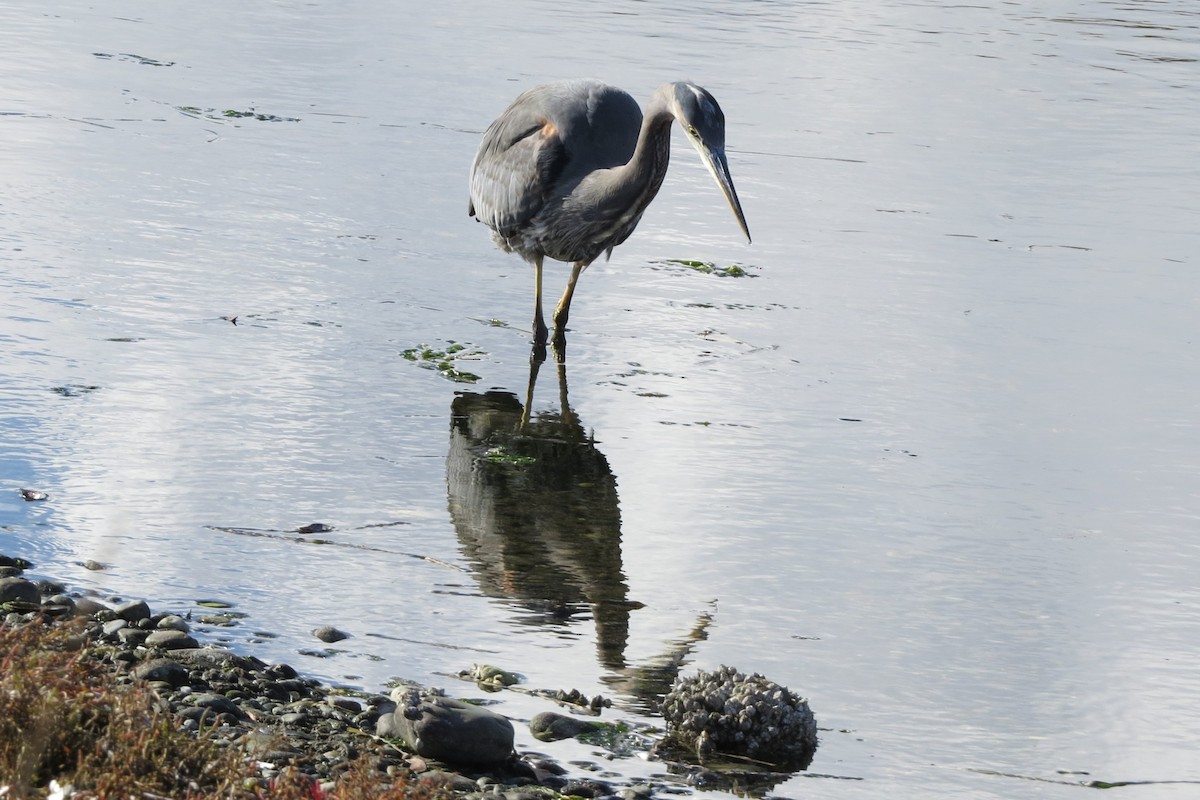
(536, 153)
(518, 164)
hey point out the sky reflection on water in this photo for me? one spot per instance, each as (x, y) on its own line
(932, 466)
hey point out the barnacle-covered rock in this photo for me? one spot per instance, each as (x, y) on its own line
(726, 711)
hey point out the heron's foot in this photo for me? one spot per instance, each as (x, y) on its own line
(560, 330)
(559, 344)
(560, 320)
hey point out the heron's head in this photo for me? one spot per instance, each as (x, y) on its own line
(703, 121)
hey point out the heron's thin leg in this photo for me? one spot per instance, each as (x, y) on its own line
(564, 305)
(539, 324)
(534, 365)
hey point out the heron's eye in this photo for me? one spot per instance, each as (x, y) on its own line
(693, 132)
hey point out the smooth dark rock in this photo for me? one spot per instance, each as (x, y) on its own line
(57, 611)
(19, 590)
(133, 611)
(173, 622)
(439, 779)
(330, 634)
(88, 607)
(218, 703)
(281, 671)
(451, 731)
(550, 726)
(586, 788)
(198, 714)
(344, 703)
(111, 627)
(206, 657)
(165, 670)
(47, 587)
(19, 563)
(170, 640)
(76, 642)
(132, 636)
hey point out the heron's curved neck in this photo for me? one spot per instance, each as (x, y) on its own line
(644, 173)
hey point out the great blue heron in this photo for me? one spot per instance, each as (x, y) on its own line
(568, 169)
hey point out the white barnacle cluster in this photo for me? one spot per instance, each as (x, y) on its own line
(411, 702)
(726, 711)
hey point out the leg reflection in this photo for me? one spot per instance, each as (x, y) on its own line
(534, 504)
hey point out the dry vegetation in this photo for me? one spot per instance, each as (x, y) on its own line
(65, 717)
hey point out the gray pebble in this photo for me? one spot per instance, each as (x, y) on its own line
(330, 634)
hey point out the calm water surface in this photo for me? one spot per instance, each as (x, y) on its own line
(934, 465)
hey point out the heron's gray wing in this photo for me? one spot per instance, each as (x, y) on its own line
(517, 166)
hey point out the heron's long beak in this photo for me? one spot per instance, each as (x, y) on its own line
(719, 167)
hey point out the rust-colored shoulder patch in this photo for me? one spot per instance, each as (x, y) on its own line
(548, 129)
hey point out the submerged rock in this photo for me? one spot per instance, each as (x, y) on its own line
(550, 726)
(726, 711)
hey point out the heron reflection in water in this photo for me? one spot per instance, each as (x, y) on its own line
(534, 503)
(535, 507)
(568, 169)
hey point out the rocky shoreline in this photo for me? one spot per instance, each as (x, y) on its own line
(282, 721)
(279, 718)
